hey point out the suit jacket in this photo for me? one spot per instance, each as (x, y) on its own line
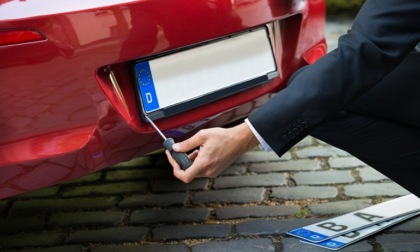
(384, 32)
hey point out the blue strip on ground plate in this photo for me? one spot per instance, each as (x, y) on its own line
(307, 234)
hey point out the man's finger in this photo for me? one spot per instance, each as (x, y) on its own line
(192, 156)
(189, 144)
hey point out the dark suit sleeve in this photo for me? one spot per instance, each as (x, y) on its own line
(383, 34)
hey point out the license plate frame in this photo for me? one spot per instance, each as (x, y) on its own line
(160, 82)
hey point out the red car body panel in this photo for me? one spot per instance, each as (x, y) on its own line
(60, 116)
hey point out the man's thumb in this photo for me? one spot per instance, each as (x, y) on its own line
(177, 147)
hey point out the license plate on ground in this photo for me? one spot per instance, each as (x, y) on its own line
(346, 223)
(352, 237)
(187, 79)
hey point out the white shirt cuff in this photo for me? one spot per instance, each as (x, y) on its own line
(263, 143)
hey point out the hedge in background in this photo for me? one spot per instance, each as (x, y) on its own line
(336, 6)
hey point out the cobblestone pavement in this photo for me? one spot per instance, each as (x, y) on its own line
(139, 206)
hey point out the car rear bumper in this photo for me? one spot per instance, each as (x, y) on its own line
(62, 115)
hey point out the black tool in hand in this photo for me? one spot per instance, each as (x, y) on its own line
(180, 157)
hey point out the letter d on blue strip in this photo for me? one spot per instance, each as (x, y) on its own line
(146, 86)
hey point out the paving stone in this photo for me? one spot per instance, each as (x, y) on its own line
(243, 245)
(30, 240)
(44, 192)
(375, 189)
(160, 160)
(167, 199)
(369, 174)
(234, 170)
(307, 141)
(272, 227)
(137, 174)
(17, 224)
(399, 242)
(261, 156)
(359, 246)
(255, 211)
(319, 142)
(345, 162)
(107, 189)
(305, 192)
(86, 219)
(242, 195)
(339, 207)
(51, 205)
(323, 177)
(65, 248)
(320, 151)
(4, 205)
(411, 225)
(142, 248)
(93, 177)
(110, 235)
(143, 161)
(172, 215)
(273, 179)
(181, 232)
(175, 185)
(294, 245)
(292, 165)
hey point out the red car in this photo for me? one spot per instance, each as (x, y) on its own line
(78, 77)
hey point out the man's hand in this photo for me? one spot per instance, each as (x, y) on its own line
(217, 149)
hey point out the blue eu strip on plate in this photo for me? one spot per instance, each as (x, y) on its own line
(146, 86)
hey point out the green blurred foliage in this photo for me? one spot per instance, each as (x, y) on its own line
(343, 6)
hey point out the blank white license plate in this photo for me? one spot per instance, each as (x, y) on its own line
(183, 80)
